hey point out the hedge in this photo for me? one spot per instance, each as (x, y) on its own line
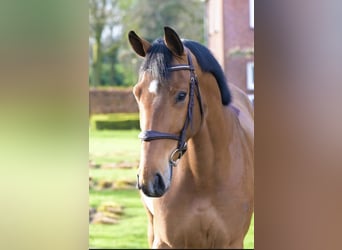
(115, 121)
(112, 100)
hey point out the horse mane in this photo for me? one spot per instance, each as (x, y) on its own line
(208, 63)
(159, 59)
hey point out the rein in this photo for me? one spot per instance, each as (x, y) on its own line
(150, 135)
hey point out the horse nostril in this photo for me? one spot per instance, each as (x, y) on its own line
(159, 185)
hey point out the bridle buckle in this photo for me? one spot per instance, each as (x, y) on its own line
(177, 154)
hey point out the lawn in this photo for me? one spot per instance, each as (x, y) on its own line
(130, 232)
(113, 146)
(121, 146)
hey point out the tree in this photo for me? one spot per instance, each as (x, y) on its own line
(114, 62)
(102, 13)
(187, 17)
(148, 17)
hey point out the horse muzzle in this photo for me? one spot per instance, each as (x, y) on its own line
(156, 187)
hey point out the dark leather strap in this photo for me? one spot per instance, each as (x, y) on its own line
(150, 135)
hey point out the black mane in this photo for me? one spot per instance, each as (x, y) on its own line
(159, 59)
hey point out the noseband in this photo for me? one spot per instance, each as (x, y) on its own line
(150, 135)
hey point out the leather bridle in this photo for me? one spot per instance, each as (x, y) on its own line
(150, 135)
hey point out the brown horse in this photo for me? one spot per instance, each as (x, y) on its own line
(197, 153)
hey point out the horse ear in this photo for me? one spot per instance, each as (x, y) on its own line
(173, 42)
(139, 45)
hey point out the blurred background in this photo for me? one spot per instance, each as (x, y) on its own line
(116, 216)
(44, 130)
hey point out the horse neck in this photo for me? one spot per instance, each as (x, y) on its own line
(208, 150)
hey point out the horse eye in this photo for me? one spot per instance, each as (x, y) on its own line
(181, 96)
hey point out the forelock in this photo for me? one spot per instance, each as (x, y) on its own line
(157, 61)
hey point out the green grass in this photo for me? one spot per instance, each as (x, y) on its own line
(130, 232)
(113, 146)
(249, 239)
(113, 174)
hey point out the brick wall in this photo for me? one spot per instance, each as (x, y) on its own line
(104, 101)
(228, 31)
(237, 34)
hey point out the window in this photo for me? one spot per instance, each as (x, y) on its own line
(251, 13)
(250, 76)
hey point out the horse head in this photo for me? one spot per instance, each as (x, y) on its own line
(169, 111)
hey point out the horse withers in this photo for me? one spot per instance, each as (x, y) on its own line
(196, 171)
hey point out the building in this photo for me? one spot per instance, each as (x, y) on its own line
(230, 33)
